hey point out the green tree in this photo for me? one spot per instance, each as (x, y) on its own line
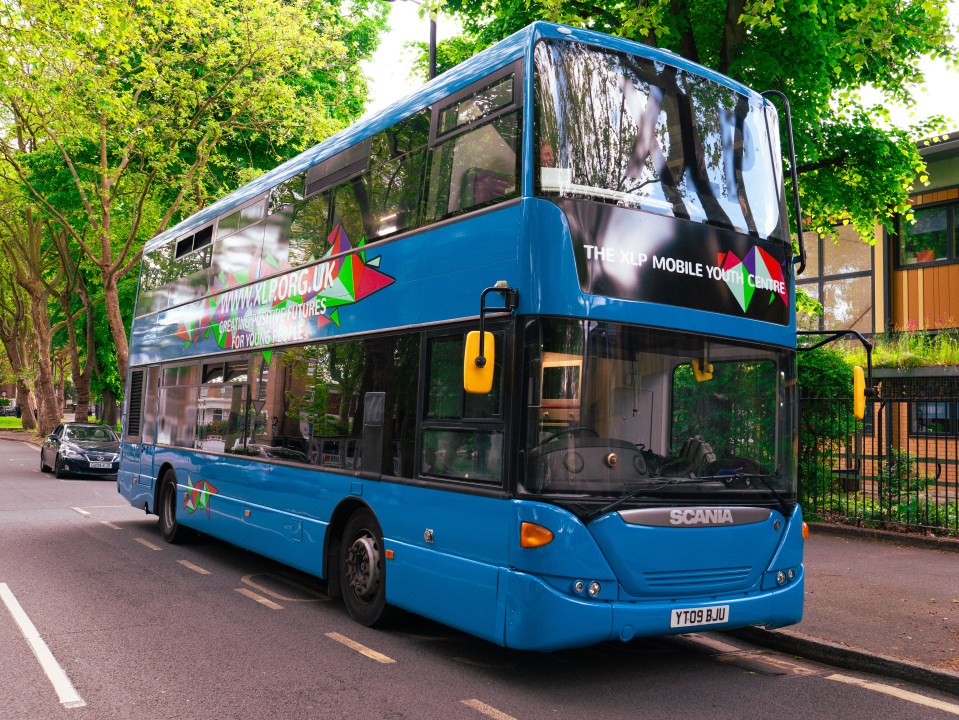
(24, 240)
(820, 53)
(152, 108)
(17, 339)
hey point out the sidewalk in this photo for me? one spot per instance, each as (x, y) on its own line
(883, 603)
(21, 436)
(877, 602)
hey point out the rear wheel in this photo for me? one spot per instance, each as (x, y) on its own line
(43, 466)
(363, 571)
(170, 529)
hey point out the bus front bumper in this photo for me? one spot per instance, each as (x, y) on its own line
(538, 617)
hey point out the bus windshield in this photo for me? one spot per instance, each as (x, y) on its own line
(639, 133)
(616, 409)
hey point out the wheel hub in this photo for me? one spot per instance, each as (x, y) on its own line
(362, 566)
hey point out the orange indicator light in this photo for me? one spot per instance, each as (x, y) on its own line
(389, 554)
(532, 535)
(805, 530)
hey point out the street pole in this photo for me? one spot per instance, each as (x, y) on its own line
(432, 73)
(432, 67)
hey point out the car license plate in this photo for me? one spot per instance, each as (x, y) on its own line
(101, 465)
(693, 617)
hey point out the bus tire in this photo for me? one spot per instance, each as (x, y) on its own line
(362, 566)
(170, 529)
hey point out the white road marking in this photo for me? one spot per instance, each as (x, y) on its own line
(361, 649)
(110, 525)
(259, 598)
(317, 596)
(80, 510)
(487, 710)
(68, 695)
(897, 693)
(194, 568)
(147, 543)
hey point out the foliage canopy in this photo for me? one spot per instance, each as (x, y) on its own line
(820, 53)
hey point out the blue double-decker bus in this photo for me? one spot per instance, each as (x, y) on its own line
(516, 354)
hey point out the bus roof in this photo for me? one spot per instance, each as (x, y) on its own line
(517, 45)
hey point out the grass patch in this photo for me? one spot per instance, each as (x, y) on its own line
(909, 350)
(11, 423)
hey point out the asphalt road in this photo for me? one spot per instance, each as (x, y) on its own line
(141, 629)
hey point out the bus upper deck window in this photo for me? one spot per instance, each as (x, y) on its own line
(498, 94)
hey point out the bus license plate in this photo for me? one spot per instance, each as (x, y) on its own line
(691, 617)
(101, 465)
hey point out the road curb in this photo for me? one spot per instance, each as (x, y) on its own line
(928, 542)
(850, 658)
(23, 437)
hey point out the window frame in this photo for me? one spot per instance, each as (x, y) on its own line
(499, 423)
(951, 419)
(952, 236)
(820, 281)
(515, 68)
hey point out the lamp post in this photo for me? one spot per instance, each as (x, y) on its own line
(432, 66)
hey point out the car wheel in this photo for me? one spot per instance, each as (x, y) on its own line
(43, 466)
(58, 467)
(170, 529)
(363, 571)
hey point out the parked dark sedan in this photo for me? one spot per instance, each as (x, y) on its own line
(81, 449)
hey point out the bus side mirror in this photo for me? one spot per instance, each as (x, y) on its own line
(478, 362)
(858, 393)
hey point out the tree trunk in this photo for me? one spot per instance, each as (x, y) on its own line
(111, 299)
(48, 411)
(17, 339)
(110, 414)
(26, 405)
(734, 32)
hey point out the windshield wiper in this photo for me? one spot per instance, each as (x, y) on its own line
(665, 481)
(657, 482)
(761, 477)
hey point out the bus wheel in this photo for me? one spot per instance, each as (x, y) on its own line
(170, 529)
(363, 571)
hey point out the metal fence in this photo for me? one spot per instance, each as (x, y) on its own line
(896, 468)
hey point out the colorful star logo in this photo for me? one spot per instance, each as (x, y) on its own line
(198, 496)
(757, 269)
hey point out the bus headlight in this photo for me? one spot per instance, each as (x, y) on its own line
(780, 578)
(594, 589)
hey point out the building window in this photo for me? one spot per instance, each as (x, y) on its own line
(930, 237)
(839, 275)
(934, 418)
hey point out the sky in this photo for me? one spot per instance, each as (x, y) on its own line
(389, 71)
(940, 96)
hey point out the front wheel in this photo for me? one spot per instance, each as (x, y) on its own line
(58, 467)
(170, 529)
(363, 571)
